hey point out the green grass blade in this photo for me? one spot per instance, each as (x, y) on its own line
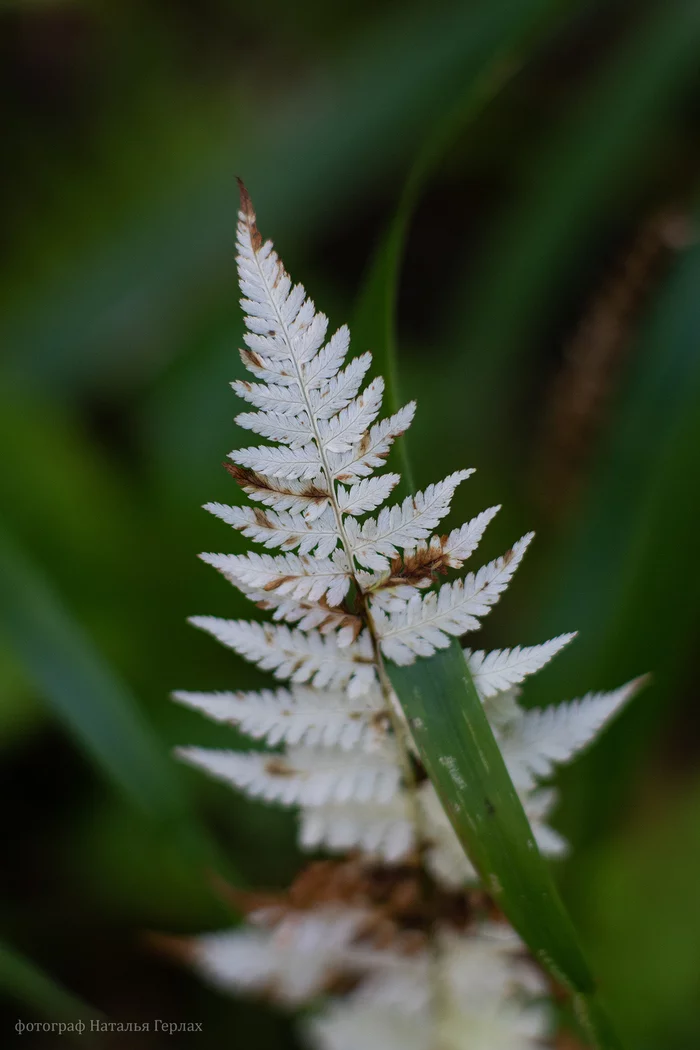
(23, 981)
(464, 762)
(487, 70)
(454, 739)
(92, 703)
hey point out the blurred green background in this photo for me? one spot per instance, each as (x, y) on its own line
(549, 325)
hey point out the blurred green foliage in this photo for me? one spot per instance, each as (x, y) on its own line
(568, 195)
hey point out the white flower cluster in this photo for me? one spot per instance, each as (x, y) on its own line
(347, 591)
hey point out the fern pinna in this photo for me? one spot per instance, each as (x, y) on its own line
(408, 954)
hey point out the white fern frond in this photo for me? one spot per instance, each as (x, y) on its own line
(483, 588)
(348, 1024)
(338, 433)
(549, 842)
(299, 497)
(502, 708)
(544, 737)
(367, 494)
(371, 451)
(287, 464)
(427, 623)
(294, 961)
(490, 1000)
(271, 343)
(306, 614)
(332, 395)
(270, 370)
(292, 575)
(303, 776)
(404, 525)
(284, 529)
(538, 807)
(281, 319)
(388, 597)
(341, 432)
(294, 431)
(287, 400)
(385, 831)
(322, 368)
(422, 564)
(540, 803)
(299, 657)
(309, 615)
(296, 716)
(463, 541)
(497, 671)
(360, 590)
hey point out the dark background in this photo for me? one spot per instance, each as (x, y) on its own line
(549, 324)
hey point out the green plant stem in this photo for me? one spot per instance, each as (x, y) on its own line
(460, 754)
(375, 320)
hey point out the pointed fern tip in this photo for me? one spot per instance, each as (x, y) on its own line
(246, 202)
(635, 685)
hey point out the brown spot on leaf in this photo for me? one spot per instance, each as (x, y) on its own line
(356, 623)
(277, 767)
(380, 720)
(364, 443)
(251, 359)
(274, 584)
(249, 213)
(313, 492)
(240, 474)
(419, 567)
(262, 519)
(250, 481)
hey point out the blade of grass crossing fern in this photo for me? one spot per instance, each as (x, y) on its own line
(375, 315)
(454, 738)
(24, 982)
(91, 702)
(464, 762)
